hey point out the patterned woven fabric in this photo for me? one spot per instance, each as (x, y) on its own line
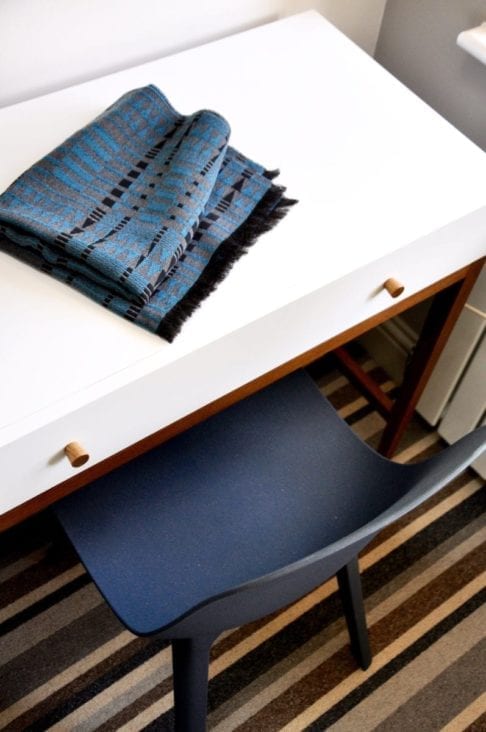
(144, 209)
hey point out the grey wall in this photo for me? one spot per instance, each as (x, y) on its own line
(417, 43)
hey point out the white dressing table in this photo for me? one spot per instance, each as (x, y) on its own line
(386, 188)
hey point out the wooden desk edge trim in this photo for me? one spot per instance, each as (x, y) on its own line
(45, 499)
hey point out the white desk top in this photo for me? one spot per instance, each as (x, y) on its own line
(374, 169)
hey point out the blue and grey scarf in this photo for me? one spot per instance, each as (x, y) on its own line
(144, 209)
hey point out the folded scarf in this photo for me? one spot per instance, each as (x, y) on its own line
(144, 209)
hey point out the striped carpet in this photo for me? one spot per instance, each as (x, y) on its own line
(67, 664)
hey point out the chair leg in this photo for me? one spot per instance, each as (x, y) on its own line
(190, 661)
(349, 581)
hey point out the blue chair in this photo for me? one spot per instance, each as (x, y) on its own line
(239, 516)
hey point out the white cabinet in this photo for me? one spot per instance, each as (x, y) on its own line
(455, 396)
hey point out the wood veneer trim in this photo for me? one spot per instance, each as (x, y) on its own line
(381, 401)
(441, 318)
(45, 499)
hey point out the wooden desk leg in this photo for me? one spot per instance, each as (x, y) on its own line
(444, 311)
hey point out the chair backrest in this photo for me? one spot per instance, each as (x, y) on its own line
(278, 482)
(253, 599)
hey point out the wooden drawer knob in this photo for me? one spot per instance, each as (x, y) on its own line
(394, 287)
(76, 454)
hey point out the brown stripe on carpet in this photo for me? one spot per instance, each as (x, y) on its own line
(386, 664)
(405, 687)
(263, 689)
(460, 683)
(437, 566)
(66, 663)
(382, 634)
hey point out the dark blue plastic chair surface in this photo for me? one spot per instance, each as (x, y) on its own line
(240, 515)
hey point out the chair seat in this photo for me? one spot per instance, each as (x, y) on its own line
(196, 516)
(240, 516)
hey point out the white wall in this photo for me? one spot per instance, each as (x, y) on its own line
(49, 44)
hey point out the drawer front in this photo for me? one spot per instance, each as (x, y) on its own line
(36, 462)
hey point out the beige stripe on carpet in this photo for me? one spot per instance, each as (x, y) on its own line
(29, 560)
(445, 695)
(62, 679)
(40, 592)
(49, 622)
(402, 687)
(468, 716)
(384, 633)
(104, 705)
(361, 402)
(355, 679)
(257, 695)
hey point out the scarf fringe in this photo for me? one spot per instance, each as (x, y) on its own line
(266, 214)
